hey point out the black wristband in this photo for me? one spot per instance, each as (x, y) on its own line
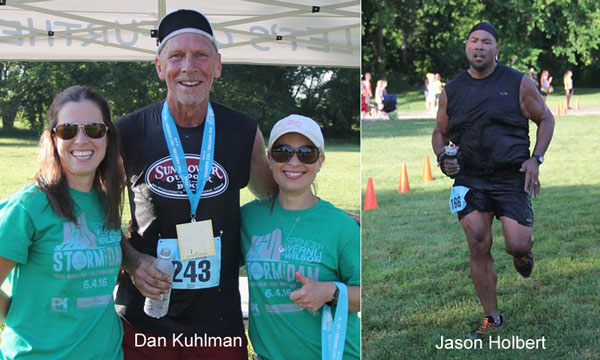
(440, 156)
(334, 299)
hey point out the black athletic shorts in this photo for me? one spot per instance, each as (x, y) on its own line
(503, 196)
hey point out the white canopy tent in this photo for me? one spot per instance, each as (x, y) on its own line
(291, 32)
(318, 32)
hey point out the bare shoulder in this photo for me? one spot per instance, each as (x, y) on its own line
(532, 104)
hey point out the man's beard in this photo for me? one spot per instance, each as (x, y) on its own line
(481, 66)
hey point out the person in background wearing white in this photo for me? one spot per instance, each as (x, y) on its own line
(568, 83)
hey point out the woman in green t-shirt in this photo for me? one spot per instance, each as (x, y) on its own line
(296, 246)
(60, 239)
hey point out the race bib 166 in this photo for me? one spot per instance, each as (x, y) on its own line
(457, 198)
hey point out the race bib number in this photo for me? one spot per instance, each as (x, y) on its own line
(198, 273)
(457, 198)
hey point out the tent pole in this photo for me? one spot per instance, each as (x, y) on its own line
(162, 11)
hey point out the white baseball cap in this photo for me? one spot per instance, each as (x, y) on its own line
(301, 125)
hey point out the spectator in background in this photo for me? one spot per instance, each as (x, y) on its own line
(366, 93)
(429, 95)
(426, 92)
(546, 84)
(568, 83)
(380, 91)
(437, 88)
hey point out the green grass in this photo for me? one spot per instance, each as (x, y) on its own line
(413, 101)
(416, 283)
(338, 181)
(19, 162)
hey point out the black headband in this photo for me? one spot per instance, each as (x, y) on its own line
(183, 21)
(485, 26)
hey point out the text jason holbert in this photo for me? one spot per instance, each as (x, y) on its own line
(188, 341)
(494, 342)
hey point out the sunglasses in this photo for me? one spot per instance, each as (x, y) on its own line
(306, 154)
(69, 131)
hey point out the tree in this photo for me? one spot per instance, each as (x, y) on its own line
(10, 101)
(330, 98)
(402, 40)
(266, 93)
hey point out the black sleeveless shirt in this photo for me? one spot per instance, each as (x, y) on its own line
(158, 204)
(486, 122)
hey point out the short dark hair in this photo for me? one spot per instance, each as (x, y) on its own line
(110, 176)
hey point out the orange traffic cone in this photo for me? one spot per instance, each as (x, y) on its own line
(370, 199)
(403, 185)
(426, 172)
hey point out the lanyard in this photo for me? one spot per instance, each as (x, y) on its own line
(178, 156)
(333, 331)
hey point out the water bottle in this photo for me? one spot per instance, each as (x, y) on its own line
(159, 308)
(451, 150)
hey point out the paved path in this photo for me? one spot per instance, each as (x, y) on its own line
(582, 112)
(430, 115)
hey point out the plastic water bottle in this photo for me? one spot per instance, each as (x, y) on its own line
(159, 308)
(451, 150)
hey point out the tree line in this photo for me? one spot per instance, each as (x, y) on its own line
(403, 40)
(266, 93)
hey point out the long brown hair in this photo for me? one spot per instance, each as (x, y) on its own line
(110, 176)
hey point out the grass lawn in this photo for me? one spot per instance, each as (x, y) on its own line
(416, 282)
(337, 182)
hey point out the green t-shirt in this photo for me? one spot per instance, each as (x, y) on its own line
(62, 305)
(322, 243)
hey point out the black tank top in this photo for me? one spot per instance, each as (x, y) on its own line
(158, 204)
(486, 122)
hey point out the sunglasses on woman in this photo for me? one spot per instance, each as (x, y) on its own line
(306, 154)
(69, 131)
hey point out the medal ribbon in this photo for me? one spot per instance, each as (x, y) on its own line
(178, 156)
(333, 331)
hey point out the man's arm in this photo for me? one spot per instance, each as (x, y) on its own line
(261, 181)
(439, 138)
(533, 107)
(146, 278)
